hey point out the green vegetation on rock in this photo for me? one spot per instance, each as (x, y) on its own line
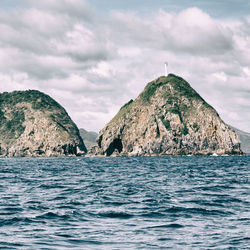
(38, 99)
(150, 89)
(181, 89)
(166, 123)
(184, 130)
(127, 104)
(124, 111)
(196, 127)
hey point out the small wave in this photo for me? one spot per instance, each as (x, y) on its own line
(59, 198)
(243, 241)
(153, 215)
(212, 203)
(10, 211)
(118, 215)
(229, 200)
(171, 225)
(165, 239)
(13, 209)
(51, 186)
(10, 245)
(52, 215)
(64, 235)
(200, 211)
(115, 203)
(244, 219)
(81, 241)
(216, 188)
(14, 221)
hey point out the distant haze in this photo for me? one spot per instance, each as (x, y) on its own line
(94, 56)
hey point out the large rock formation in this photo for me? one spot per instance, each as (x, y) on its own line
(33, 124)
(167, 118)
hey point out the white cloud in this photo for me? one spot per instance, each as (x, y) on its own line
(220, 76)
(246, 71)
(104, 69)
(82, 44)
(190, 31)
(194, 31)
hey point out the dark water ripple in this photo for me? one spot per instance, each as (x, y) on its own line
(125, 203)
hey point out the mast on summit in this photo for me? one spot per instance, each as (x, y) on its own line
(166, 68)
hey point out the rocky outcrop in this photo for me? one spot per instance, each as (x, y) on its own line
(33, 124)
(167, 118)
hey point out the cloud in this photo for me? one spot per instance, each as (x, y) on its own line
(194, 31)
(191, 31)
(82, 44)
(46, 45)
(93, 62)
(79, 9)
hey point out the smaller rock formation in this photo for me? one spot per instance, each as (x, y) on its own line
(244, 140)
(89, 138)
(33, 124)
(168, 118)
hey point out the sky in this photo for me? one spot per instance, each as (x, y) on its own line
(94, 56)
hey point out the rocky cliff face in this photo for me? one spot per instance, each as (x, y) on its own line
(167, 118)
(33, 124)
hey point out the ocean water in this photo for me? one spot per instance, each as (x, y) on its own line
(125, 203)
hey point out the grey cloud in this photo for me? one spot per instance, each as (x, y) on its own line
(79, 9)
(245, 26)
(30, 43)
(191, 31)
(97, 52)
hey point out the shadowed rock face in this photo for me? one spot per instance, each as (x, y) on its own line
(33, 124)
(168, 118)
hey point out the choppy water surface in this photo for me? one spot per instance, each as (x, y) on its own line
(125, 203)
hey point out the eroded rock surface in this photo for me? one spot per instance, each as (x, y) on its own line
(33, 124)
(168, 118)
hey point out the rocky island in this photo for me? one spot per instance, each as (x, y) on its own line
(33, 124)
(168, 118)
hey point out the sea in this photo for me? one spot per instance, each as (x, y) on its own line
(200, 202)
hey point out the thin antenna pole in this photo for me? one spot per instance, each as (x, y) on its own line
(166, 68)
